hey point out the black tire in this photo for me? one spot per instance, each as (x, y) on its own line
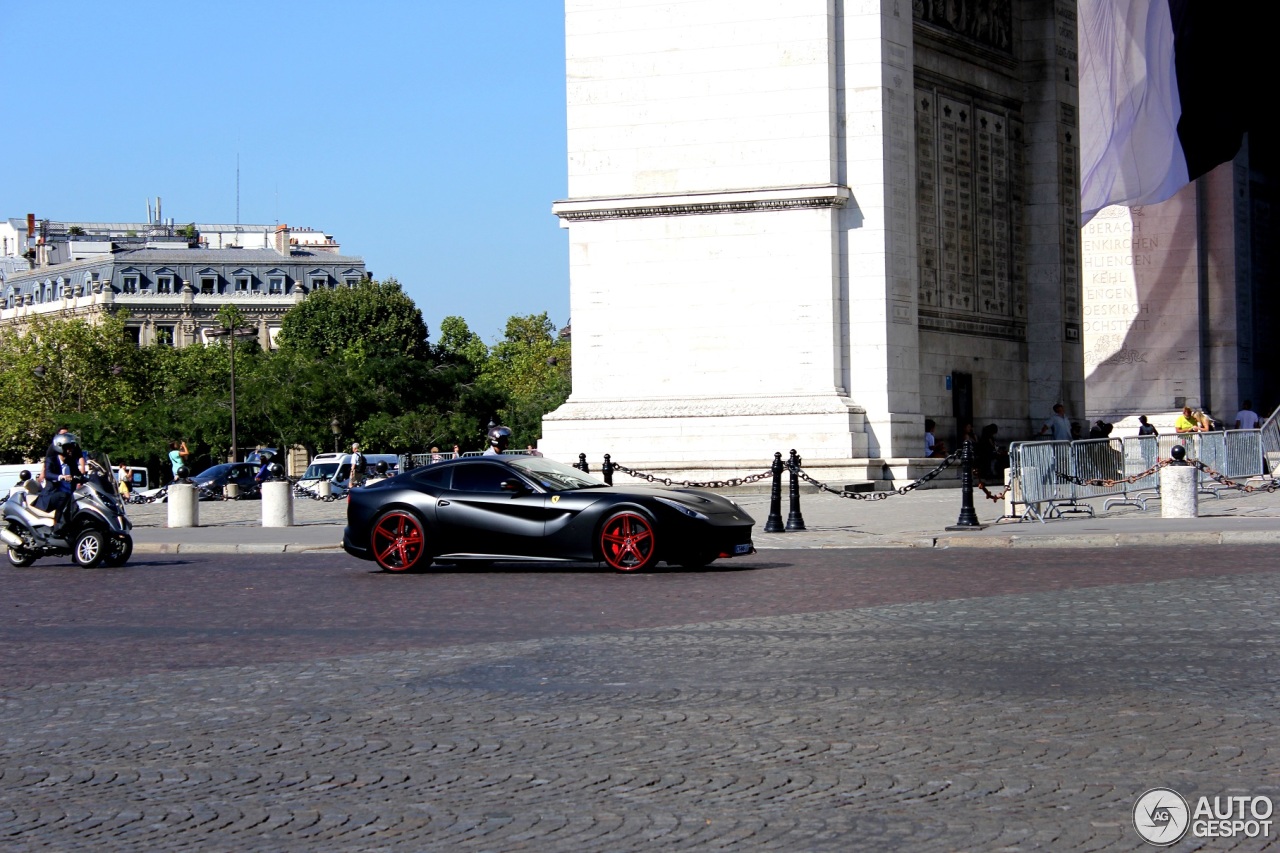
(119, 550)
(627, 541)
(399, 542)
(20, 559)
(89, 548)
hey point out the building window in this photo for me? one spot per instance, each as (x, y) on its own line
(208, 285)
(276, 284)
(164, 335)
(242, 284)
(164, 284)
(319, 281)
(351, 281)
(130, 284)
(133, 334)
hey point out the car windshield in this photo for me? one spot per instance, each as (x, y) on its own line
(554, 476)
(320, 471)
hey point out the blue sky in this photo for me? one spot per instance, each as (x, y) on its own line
(428, 137)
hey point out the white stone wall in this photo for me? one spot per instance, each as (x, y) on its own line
(698, 95)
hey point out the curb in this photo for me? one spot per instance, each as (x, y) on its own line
(229, 548)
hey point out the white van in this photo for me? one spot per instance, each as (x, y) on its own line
(336, 467)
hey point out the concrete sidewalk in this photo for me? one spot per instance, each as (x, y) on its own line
(918, 519)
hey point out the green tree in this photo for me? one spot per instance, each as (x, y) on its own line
(372, 320)
(531, 368)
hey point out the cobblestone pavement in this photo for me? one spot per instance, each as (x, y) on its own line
(1022, 721)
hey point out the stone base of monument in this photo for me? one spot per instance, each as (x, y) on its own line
(183, 507)
(1178, 495)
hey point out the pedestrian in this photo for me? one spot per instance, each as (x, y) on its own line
(531, 450)
(178, 454)
(122, 481)
(457, 451)
(435, 455)
(1145, 428)
(1187, 421)
(359, 465)
(1058, 425)
(930, 443)
(991, 457)
(1247, 418)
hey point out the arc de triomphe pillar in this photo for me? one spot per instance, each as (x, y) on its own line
(776, 240)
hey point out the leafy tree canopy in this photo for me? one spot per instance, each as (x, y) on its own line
(371, 320)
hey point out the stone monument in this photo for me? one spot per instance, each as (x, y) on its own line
(813, 224)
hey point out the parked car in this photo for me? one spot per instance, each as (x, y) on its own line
(491, 508)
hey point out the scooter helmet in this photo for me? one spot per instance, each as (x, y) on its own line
(381, 467)
(67, 444)
(499, 436)
(276, 470)
(183, 472)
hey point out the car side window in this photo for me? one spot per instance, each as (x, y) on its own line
(434, 477)
(479, 477)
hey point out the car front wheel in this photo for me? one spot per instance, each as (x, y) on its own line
(628, 542)
(399, 542)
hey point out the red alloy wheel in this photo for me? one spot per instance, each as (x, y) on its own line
(627, 542)
(399, 542)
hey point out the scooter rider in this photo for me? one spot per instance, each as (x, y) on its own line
(264, 472)
(499, 437)
(56, 496)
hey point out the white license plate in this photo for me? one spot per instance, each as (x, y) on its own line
(739, 550)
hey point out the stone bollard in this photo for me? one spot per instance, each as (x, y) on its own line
(277, 504)
(324, 489)
(1178, 495)
(231, 491)
(184, 509)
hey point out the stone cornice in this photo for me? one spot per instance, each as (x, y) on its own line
(698, 204)
(635, 410)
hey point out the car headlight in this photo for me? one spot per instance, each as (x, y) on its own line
(682, 509)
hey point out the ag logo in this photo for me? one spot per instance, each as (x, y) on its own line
(1161, 816)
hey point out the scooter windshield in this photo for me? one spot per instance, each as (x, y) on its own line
(98, 472)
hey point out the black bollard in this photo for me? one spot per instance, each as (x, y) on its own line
(968, 519)
(774, 523)
(795, 521)
(607, 470)
(582, 464)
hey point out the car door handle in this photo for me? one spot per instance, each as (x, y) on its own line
(442, 503)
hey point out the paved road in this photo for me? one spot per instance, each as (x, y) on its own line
(805, 700)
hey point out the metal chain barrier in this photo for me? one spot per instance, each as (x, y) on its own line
(991, 496)
(1223, 480)
(1105, 483)
(879, 496)
(710, 484)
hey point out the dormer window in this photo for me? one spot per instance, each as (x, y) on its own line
(275, 284)
(208, 285)
(243, 283)
(164, 284)
(318, 280)
(130, 284)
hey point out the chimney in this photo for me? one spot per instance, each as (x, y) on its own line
(31, 227)
(282, 239)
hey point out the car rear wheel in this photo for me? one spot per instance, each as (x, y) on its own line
(399, 542)
(628, 542)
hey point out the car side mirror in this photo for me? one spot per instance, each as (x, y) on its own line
(511, 484)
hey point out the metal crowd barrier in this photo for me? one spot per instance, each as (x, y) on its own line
(1046, 476)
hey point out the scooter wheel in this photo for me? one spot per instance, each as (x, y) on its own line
(89, 549)
(20, 559)
(119, 550)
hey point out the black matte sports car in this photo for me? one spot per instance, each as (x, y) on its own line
(493, 508)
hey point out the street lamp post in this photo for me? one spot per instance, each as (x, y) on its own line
(337, 431)
(231, 334)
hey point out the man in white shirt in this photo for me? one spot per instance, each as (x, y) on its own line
(1058, 424)
(1247, 418)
